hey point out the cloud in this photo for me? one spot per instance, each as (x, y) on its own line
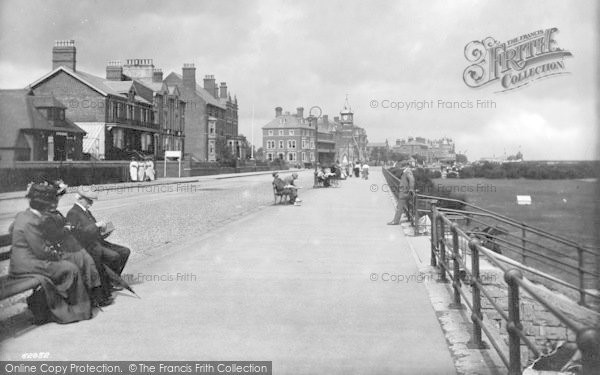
(290, 54)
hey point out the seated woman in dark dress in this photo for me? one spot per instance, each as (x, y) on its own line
(57, 232)
(65, 293)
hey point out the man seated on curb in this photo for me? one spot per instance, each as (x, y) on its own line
(91, 233)
(281, 187)
(407, 186)
(290, 184)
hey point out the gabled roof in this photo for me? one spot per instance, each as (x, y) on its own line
(287, 122)
(200, 91)
(173, 90)
(121, 87)
(100, 85)
(18, 112)
(154, 86)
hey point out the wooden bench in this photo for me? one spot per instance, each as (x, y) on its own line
(11, 286)
(283, 196)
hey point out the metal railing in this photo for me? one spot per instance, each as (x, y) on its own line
(564, 261)
(445, 249)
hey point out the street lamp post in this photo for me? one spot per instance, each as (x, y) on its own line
(315, 117)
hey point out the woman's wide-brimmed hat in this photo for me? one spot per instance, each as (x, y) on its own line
(44, 194)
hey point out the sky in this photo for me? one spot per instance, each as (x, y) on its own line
(313, 53)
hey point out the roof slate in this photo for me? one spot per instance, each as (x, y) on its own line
(18, 111)
(201, 92)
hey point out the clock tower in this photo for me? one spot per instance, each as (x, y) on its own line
(346, 115)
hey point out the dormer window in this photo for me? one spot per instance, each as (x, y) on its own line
(53, 113)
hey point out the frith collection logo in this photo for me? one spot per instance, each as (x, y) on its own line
(516, 62)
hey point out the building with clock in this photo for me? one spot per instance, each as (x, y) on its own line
(350, 139)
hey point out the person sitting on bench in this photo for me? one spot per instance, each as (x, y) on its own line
(64, 298)
(280, 186)
(291, 185)
(91, 233)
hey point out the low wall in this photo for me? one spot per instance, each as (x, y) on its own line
(540, 326)
(73, 173)
(76, 173)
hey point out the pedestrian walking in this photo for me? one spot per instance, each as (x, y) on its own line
(365, 171)
(406, 188)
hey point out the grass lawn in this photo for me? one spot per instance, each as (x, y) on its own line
(562, 207)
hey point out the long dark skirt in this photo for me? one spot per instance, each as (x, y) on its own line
(66, 296)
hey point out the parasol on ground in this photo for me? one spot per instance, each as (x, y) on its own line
(116, 279)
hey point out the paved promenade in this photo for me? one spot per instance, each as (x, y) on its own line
(292, 285)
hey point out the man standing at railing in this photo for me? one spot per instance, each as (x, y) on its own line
(406, 187)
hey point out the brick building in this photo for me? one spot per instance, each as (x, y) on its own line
(211, 117)
(168, 104)
(35, 127)
(292, 138)
(119, 122)
(432, 151)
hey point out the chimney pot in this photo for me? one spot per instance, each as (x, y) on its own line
(188, 74)
(210, 85)
(157, 75)
(223, 90)
(64, 54)
(114, 70)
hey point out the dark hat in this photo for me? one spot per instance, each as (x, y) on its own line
(42, 194)
(275, 174)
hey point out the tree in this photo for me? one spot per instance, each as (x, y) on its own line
(419, 158)
(462, 158)
(224, 154)
(259, 154)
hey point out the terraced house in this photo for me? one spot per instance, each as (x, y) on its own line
(211, 117)
(123, 115)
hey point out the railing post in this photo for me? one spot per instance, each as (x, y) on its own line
(416, 213)
(456, 304)
(442, 247)
(581, 275)
(434, 214)
(588, 341)
(523, 244)
(475, 342)
(514, 321)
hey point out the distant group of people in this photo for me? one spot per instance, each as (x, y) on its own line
(359, 169)
(142, 170)
(69, 256)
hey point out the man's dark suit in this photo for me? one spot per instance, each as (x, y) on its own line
(88, 234)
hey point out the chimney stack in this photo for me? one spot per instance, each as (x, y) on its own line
(138, 68)
(188, 73)
(210, 85)
(278, 111)
(114, 71)
(300, 112)
(64, 54)
(157, 75)
(223, 90)
(326, 119)
(336, 118)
